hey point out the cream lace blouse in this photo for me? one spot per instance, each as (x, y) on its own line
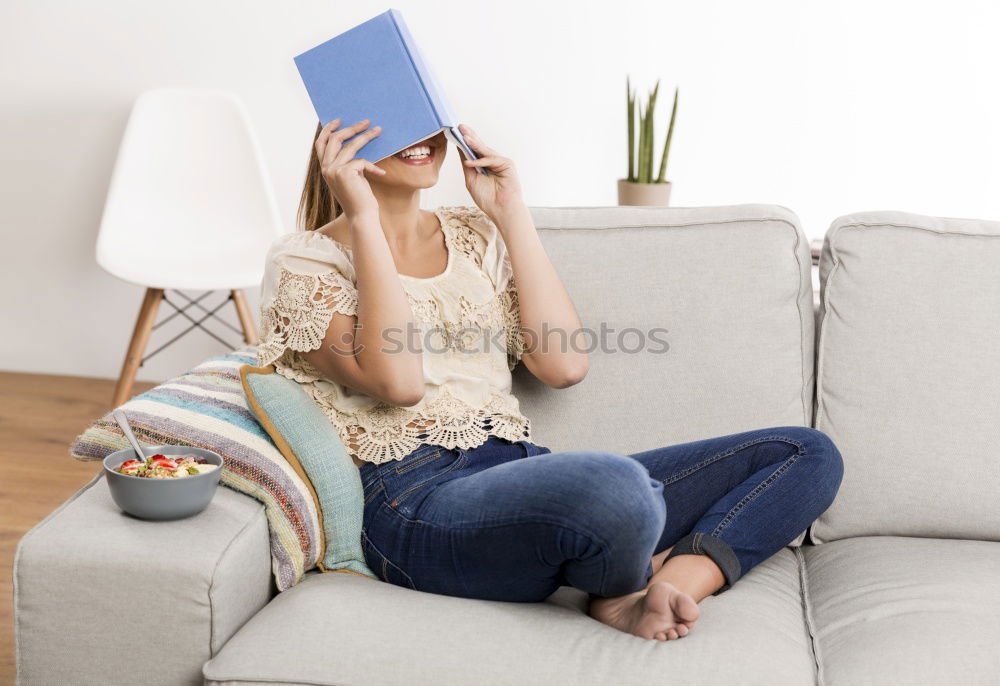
(469, 323)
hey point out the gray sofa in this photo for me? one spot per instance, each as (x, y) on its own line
(898, 582)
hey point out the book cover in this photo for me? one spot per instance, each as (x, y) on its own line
(376, 71)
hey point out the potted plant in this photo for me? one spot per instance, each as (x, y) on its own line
(641, 188)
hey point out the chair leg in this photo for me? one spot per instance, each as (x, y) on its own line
(246, 319)
(140, 339)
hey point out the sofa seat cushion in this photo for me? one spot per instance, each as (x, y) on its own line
(346, 629)
(886, 609)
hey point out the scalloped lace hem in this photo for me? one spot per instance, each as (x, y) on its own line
(386, 432)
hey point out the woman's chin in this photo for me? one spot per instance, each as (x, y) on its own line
(406, 175)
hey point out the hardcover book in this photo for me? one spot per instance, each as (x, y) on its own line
(376, 71)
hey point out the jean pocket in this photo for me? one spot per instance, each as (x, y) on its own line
(371, 481)
(418, 457)
(383, 567)
(416, 472)
(533, 449)
(369, 473)
(373, 489)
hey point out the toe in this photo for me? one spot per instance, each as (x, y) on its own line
(685, 608)
(672, 634)
(682, 630)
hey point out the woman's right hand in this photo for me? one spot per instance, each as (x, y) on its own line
(343, 174)
(353, 351)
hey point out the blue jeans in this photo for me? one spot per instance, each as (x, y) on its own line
(514, 521)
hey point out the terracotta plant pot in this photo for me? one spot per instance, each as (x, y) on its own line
(657, 194)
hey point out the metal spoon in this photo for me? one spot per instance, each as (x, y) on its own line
(127, 430)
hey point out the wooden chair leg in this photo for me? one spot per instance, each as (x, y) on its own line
(246, 319)
(140, 339)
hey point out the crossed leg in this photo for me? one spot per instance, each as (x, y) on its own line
(713, 489)
(647, 543)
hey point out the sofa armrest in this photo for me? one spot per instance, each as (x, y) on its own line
(101, 597)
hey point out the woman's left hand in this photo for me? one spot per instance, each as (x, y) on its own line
(498, 192)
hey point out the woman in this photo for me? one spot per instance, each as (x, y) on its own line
(404, 325)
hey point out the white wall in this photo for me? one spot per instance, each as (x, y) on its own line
(824, 107)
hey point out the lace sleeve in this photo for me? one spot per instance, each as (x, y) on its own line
(510, 313)
(305, 282)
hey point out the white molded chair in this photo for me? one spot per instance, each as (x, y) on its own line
(190, 206)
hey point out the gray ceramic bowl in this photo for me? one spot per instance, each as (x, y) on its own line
(162, 498)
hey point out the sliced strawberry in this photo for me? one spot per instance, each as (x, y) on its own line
(129, 467)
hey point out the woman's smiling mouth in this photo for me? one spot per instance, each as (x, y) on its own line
(416, 155)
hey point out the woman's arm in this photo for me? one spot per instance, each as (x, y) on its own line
(372, 351)
(358, 350)
(550, 352)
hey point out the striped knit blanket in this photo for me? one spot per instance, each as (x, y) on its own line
(207, 408)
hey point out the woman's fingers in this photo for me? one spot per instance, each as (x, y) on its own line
(361, 165)
(486, 156)
(372, 167)
(477, 145)
(336, 140)
(324, 137)
(484, 161)
(347, 152)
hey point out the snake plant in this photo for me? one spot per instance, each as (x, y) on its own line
(643, 153)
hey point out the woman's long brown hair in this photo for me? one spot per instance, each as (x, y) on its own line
(317, 206)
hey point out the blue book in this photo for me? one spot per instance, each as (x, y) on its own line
(376, 71)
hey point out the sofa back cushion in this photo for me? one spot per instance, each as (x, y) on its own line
(908, 375)
(707, 325)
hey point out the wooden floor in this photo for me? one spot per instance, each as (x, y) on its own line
(40, 415)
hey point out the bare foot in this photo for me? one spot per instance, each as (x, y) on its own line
(659, 612)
